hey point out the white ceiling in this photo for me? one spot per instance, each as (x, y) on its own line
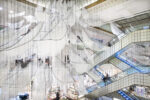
(113, 10)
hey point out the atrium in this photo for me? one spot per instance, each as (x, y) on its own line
(74, 49)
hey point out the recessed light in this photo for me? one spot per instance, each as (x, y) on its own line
(11, 11)
(1, 8)
(116, 99)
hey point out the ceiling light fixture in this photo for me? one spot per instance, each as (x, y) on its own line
(116, 99)
(16, 14)
(1, 8)
(11, 11)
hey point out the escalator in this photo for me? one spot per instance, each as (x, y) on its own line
(131, 95)
(126, 69)
(119, 64)
(124, 95)
(138, 79)
(137, 36)
(136, 56)
(94, 76)
(115, 95)
(97, 75)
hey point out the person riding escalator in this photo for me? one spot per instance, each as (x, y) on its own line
(106, 79)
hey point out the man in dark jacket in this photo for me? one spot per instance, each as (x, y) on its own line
(57, 96)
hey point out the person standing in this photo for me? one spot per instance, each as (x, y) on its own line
(57, 96)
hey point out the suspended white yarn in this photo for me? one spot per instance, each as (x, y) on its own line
(84, 14)
(59, 31)
(77, 13)
(71, 20)
(115, 30)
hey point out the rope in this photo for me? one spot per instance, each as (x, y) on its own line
(7, 49)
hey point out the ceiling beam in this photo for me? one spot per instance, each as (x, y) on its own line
(94, 4)
(30, 3)
(102, 30)
(135, 23)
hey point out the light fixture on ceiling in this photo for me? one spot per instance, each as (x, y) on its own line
(1, 8)
(11, 12)
(16, 14)
(116, 99)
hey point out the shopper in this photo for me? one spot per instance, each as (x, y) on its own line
(57, 96)
(24, 97)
